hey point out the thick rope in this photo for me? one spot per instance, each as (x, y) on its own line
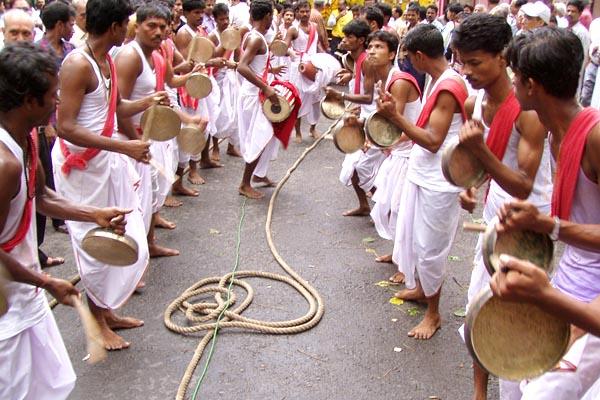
(200, 314)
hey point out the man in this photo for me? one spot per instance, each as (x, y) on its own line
(239, 13)
(386, 10)
(429, 215)
(549, 88)
(86, 125)
(469, 9)
(58, 19)
(412, 19)
(257, 140)
(33, 357)
(509, 143)
(515, 7)
(574, 10)
(317, 18)
(18, 27)
(452, 16)
(342, 17)
(356, 12)
(431, 16)
(535, 15)
(302, 39)
(79, 31)
(374, 18)
(208, 20)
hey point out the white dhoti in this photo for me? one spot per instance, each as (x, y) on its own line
(256, 132)
(162, 154)
(310, 93)
(226, 121)
(110, 180)
(425, 230)
(35, 365)
(366, 164)
(389, 182)
(209, 107)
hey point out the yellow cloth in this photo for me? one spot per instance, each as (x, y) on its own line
(341, 22)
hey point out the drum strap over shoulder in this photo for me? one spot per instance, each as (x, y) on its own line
(80, 160)
(457, 90)
(569, 161)
(502, 125)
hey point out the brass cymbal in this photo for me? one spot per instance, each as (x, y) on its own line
(198, 85)
(106, 246)
(160, 123)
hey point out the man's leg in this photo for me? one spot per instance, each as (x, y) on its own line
(215, 155)
(363, 203)
(246, 188)
(432, 321)
(205, 161)
(480, 382)
(107, 321)
(232, 151)
(298, 131)
(156, 250)
(179, 188)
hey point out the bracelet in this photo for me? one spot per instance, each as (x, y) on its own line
(343, 96)
(555, 230)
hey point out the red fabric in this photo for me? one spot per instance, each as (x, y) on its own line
(27, 216)
(405, 76)
(502, 125)
(160, 70)
(283, 129)
(312, 33)
(569, 161)
(358, 71)
(450, 85)
(80, 160)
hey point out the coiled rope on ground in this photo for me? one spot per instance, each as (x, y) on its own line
(210, 317)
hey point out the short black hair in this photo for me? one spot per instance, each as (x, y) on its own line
(287, 7)
(260, 9)
(398, 9)
(356, 8)
(455, 8)
(385, 9)
(390, 39)
(152, 9)
(301, 4)
(358, 28)
(552, 57)
(191, 5)
(470, 7)
(425, 38)
(101, 14)
(412, 7)
(521, 3)
(56, 12)
(433, 7)
(220, 9)
(577, 3)
(374, 14)
(484, 32)
(25, 70)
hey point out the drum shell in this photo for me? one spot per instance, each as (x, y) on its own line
(460, 167)
(279, 48)
(332, 109)
(106, 246)
(308, 70)
(198, 85)
(348, 139)
(191, 140)
(381, 131)
(165, 124)
(513, 341)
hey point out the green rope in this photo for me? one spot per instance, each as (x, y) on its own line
(235, 267)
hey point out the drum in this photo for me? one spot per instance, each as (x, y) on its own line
(198, 85)
(279, 48)
(534, 247)
(327, 64)
(231, 38)
(381, 131)
(160, 123)
(460, 167)
(332, 108)
(201, 49)
(106, 246)
(287, 101)
(348, 62)
(308, 70)
(191, 139)
(348, 138)
(514, 341)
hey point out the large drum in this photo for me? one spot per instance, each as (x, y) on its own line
(106, 246)
(514, 341)
(287, 101)
(460, 167)
(160, 123)
(348, 138)
(381, 131)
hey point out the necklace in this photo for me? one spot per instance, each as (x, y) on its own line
(105, 82)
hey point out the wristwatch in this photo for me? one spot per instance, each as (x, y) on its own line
(556, 229)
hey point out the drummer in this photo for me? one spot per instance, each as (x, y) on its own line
(546, 81)
(32, 353)
(509, 143)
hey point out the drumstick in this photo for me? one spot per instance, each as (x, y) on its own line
(95, 345)
(473, 227)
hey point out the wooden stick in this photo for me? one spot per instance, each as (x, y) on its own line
(473, 227)
(95, 344)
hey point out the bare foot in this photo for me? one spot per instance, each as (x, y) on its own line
(415, 294)
(185, 191)
(397, 278)
(195, 179)
(298, 139)
(115, 321)
(141, 285)
(210, 164)
(314, 133)
(161, 222)
(385, 259)
(160, 251)
(232, 151)
(357, 212)
(111, 340)
(426, 328)
(250, 192)
(266, 182)
(171, 201)
(215, 155)
(53, 262)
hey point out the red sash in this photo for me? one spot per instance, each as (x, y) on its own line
(569, 161)
(160, 70)
(358, 71)
(184, 97)
(405, 76)
(80, 160)
(456, 89)
(30, 172)
(312, 33)
(502, 125)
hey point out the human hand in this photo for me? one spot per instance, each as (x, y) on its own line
(386, 105)
(158, 98)
(138, 150)
(61, 290)
(468, 201)
(112, 217)
(280, 69)
(270, 94)
(518, 280)
(343, 77)
(333, 94)
(522, 215)
(471, 135)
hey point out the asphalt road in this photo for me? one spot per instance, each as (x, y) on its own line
(359, 350)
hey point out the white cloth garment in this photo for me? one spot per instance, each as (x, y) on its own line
(366, 164)
(310, 91)
(226, 120)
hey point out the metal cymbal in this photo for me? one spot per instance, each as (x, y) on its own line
(381, 131)
(198, 85)
(106, 246)
(279, 48)
(231, 38)
(191, 139)
(201, 49)
(160, 123)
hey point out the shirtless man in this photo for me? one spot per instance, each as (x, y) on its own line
(429, 215)
(30, 341)
(509, 143)
(549, 88)
(257, 140)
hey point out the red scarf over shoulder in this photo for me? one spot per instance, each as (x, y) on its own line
(502, 125)
(358, 71)
(457, 90)
(405, 76)
(569, 161)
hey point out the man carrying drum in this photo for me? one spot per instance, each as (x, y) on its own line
(509, 143)
(429, 214)
(30, 342)
(547, 63)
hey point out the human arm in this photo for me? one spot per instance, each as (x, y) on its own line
(253, 46)
(369, 88)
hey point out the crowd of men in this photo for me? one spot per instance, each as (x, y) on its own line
(72, 148)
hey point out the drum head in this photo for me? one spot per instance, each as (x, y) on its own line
(231, 38)
(160, 123)
(332, 109)
(106, 246)
(381, 131)
(514, 341)
(279, 48)
(460, 167)
(525, 245)
(348, 139)
(198, 86)
(191, 139)
(201, 49)
(277, 114)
